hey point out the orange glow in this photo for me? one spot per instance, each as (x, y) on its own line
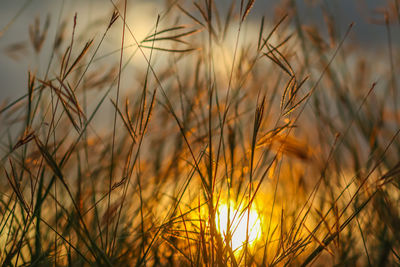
(238, 224)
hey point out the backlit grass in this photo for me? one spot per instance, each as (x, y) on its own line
(207, 136)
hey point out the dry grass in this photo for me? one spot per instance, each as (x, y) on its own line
(101, 169)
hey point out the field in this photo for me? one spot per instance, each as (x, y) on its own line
(204, 133)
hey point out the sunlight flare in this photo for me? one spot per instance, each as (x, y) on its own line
(233, 219)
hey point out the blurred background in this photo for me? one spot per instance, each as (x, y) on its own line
(208, 107)
(17, 56)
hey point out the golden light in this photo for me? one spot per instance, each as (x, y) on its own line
(237, 219)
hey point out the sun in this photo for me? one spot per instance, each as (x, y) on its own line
(237, 217)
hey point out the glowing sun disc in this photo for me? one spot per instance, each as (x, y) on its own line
(238, 225)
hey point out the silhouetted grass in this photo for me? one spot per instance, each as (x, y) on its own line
(102, 166)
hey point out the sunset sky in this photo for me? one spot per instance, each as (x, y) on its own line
(370, 36)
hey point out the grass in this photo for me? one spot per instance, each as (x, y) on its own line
(282, 126)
